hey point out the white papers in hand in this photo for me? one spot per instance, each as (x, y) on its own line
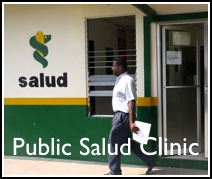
(143, 133)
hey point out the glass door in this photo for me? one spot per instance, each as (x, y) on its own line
(180, 89)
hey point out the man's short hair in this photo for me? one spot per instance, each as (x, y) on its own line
(121, 61)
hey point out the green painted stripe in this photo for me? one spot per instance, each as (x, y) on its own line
(45, 101)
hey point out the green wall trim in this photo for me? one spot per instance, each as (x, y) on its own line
(147, 65)
(172, 163)
(145, 9)
(70, 124)
(184, 16)
(182, 163)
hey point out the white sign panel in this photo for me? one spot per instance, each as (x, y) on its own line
(174, 57)
(181, 38)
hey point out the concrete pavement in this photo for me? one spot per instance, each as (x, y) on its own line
(26, 166)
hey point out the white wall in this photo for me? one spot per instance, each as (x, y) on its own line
(67, 47)
(154, 59)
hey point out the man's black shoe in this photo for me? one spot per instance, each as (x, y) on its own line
(151, 166)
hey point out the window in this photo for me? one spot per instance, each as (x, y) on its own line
(108, 38)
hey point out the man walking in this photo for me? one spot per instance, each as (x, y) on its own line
(124, 107)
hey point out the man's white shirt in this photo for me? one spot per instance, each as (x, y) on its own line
(123, 92)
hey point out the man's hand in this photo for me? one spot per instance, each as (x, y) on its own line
(134, 128)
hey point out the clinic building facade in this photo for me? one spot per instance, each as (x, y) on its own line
(58, 81)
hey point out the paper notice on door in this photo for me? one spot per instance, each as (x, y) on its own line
(174, 58)
(143, 133)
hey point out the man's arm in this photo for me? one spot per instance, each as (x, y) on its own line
(132, 108)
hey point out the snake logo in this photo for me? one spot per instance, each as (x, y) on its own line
(38, 42)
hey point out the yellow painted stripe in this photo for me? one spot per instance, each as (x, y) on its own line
(154, 101)
(45, 101)
(147, 101)
(141, 101)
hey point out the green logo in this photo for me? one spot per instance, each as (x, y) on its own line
(38, 42)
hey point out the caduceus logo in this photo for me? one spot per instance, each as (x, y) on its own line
(41, 51)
